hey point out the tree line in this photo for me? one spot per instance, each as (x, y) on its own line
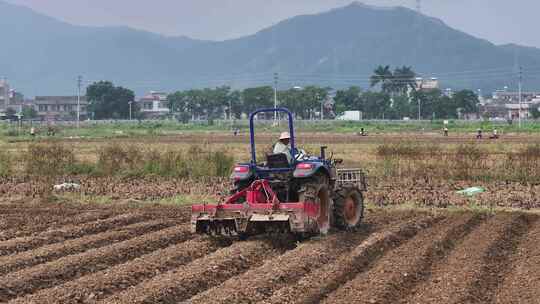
(393, 94)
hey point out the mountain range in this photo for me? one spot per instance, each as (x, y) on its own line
(43, 56)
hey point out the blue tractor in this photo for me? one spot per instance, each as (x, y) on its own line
(305, 195)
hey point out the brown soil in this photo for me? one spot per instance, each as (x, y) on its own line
(473, 270)
(181, 283)
(260, 283)
(73, 266)
(112, 280)
(522, 285)
(147, 255)
(313, 288)
(47, 253)
(27, 223)
(401, 269)
(65, 233)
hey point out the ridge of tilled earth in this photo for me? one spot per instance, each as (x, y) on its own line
(522, 285)
(46, 275)
(67, 232)
(396, 272)
(183, 282)
(37, 224)
(48, 253)
(99, 285)
(259, 283)
(27, 217)
(472, 271)
(397, 257)
(322, 281)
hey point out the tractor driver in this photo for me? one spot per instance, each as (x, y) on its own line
(282, 146)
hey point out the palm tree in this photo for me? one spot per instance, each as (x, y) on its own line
(383, 76)
(404, 78)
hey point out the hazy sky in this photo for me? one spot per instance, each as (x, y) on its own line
(500, 21)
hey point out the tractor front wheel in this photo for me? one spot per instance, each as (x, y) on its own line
(348, 208)
(316, 191)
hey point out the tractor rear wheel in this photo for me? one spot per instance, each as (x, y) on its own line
(317, 191)
(348, 208)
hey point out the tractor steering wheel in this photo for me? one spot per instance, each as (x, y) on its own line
(300, 154)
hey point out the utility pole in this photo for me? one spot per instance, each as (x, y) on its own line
(519, 92)
(419, 110)
(79, 84)
(322, 107)
(419, 5)
(130, 103)
(276, 77)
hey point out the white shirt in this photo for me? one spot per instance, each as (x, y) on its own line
(279, 147)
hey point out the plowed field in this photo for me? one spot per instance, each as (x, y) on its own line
(59, 254)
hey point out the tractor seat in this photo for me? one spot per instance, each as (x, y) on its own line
(277, 161)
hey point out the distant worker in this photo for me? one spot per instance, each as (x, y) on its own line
(479, 134)
(282, 146)
(445, 131)
(32, 132)
(50, 131)
(235, 132)
(363, 132)
(495, 134)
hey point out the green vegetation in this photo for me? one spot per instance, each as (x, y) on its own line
(465, 162)
(6, 164)
(398, 98)
(130, 160)
(109, 101)
(51, 160)
(136, 129)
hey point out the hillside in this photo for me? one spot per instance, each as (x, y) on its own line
(336, 48)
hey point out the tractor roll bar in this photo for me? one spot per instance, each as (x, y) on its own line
(252, 129)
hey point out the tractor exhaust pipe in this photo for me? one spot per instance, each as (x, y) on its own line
(323, 152)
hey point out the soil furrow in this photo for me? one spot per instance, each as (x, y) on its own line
(186, 281)
(37, 224)
(48, 253)
(113, 280)
(313, 288)
(397, 272)
(64, 233)
(522, 285)
(50, 274)
(496, 262)
(449, 281)
(258, 284)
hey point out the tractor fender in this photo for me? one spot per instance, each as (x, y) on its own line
(242, 172)
(309, 171)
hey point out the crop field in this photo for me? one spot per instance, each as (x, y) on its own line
(124, 236)
(127, 254)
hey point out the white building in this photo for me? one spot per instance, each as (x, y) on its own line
(426, 84)
(4, 95)
(154, 104)
(351, 115)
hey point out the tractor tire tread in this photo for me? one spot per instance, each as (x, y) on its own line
(339, 207)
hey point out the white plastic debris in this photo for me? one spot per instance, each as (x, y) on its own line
(67, 187)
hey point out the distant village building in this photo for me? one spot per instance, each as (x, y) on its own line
(505, 104)
(426, 84)
(510, 97)
(60, 107)
(4, 95)
(154, 105)
(15, 97)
